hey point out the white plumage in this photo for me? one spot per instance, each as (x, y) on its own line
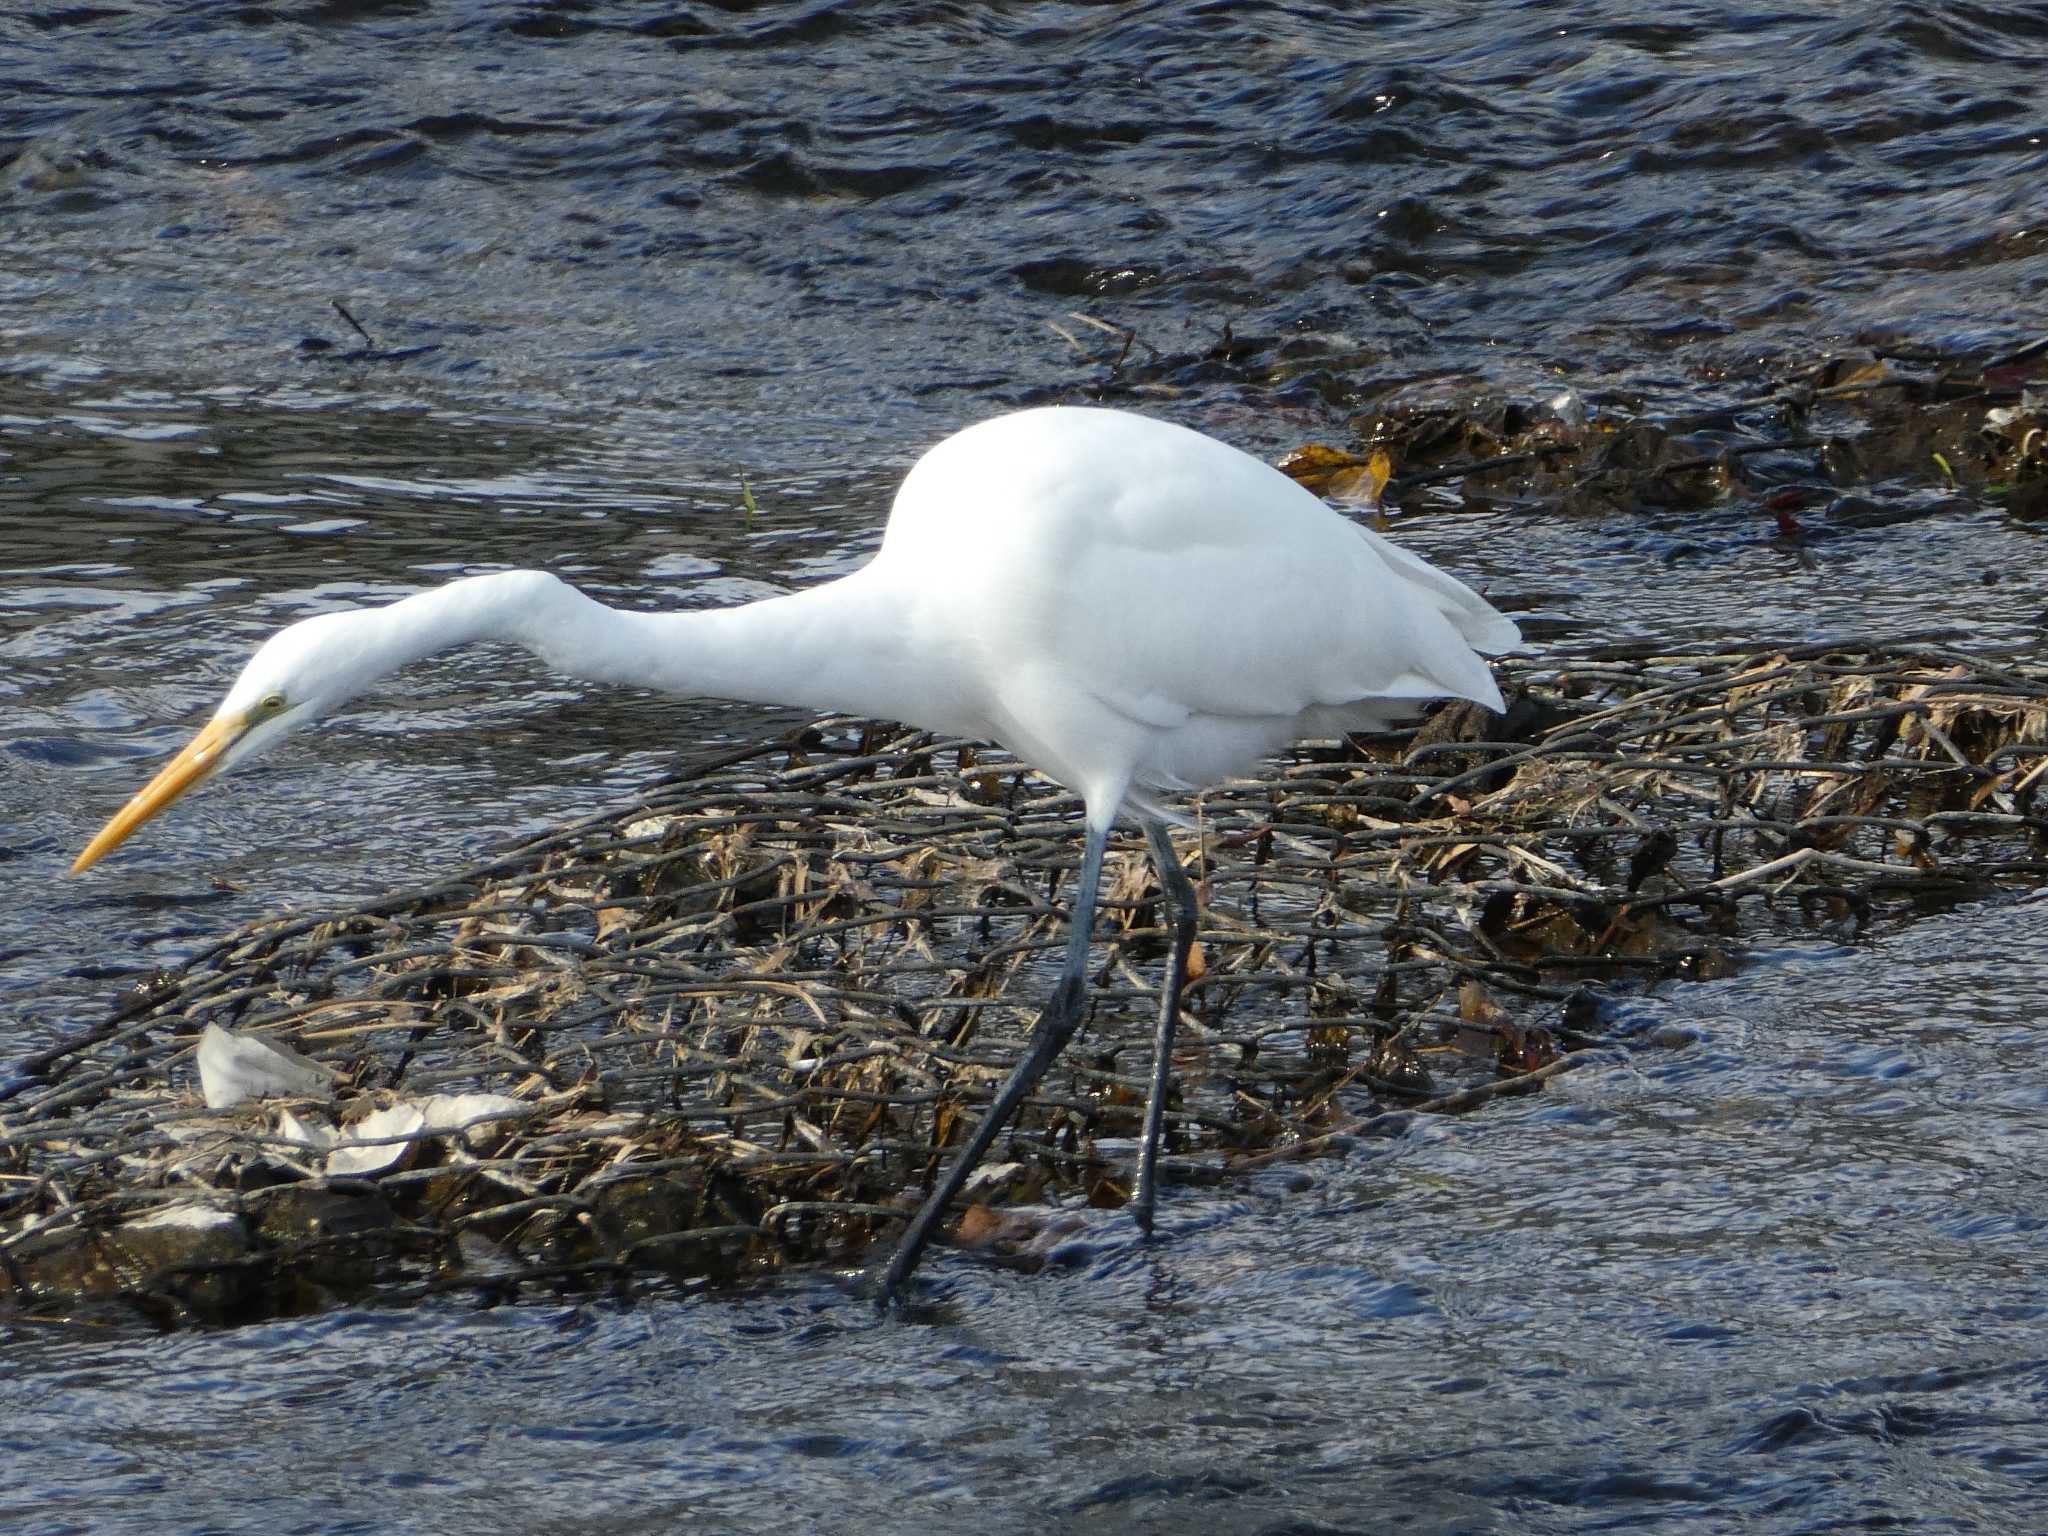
(1133, 608)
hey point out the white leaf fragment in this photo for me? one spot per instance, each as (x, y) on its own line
(313, 1134)
(477, 1115)
(199, 1218)
(234, 1068)
(988, 1178)
(367, 1147)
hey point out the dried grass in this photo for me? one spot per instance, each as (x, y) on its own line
(750, 1011)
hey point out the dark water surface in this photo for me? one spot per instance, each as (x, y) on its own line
(1786, 1278)
(614, 256)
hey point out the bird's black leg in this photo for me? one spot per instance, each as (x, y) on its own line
(1182, 916)
(1055, 1027)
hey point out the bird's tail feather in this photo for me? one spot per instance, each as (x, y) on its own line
(1483, 626)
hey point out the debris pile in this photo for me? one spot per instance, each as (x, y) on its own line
(739, 1022)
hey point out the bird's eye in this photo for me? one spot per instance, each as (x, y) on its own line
(273, 704)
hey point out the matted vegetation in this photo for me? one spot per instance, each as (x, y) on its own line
(737, 1023)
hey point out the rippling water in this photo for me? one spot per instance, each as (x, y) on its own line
(1786, 1277)
(611, 257)
(828, 215)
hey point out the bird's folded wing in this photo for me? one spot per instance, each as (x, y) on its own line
(1270, 631)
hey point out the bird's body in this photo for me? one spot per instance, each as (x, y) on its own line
(1133, 608)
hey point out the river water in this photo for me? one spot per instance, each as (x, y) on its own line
(1772, 1264)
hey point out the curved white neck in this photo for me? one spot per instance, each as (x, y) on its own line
(840, 646)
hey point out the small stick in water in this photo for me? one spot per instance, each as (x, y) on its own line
(341, 309)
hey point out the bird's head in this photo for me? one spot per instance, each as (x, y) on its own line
(298, 675)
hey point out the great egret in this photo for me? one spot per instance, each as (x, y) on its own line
(1133, 608)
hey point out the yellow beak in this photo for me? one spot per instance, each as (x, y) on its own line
(199, 759)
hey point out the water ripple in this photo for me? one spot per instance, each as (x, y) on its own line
(1772, 1265)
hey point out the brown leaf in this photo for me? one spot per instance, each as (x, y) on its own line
(978, 1226)
(1475, 1007)
(1314, 464)
(1339, 475)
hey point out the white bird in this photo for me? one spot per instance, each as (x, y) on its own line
(1132, 608)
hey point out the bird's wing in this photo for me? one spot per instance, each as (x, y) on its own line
(1168, 576)
(1269, 627)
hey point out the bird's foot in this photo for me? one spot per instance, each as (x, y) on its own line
(1145, 1203)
